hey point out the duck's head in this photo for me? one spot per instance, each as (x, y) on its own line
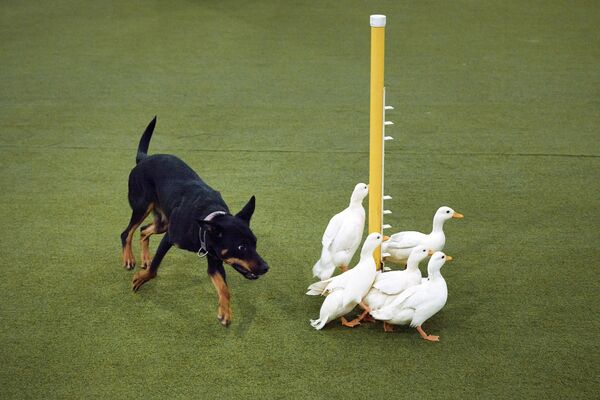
(371, 243)
(418, 254)
(437, 260)
(445, 213)
(360, 192)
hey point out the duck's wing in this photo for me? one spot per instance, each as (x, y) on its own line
(349, 234)
(410, 298)
(390, 283)
(404, 240)
(338, 282)
(333, 228)
(387, 312)
(318, 288)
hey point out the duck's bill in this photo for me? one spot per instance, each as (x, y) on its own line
(449, 258)
(457, 215)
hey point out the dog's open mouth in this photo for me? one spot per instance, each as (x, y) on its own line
(247, 274)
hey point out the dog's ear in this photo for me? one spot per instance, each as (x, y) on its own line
(246, 213)
(211, 227)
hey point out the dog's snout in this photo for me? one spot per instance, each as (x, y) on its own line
(263, 268)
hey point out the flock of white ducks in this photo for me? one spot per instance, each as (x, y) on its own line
(401, 297)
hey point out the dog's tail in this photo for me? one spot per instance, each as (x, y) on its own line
(145, 141)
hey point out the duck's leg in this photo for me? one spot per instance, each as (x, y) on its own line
(343, 268)
(368, 318)
(364, 314)
(425, 336)
(388, 327)
(350, 324)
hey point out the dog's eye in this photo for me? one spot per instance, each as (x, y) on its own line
(242, 247)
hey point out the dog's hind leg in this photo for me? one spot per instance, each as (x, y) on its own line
(144, 275)
(137, 217)
(217, 276)
(157, 227)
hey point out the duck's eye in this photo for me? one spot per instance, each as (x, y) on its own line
(443, 257)
(447, 211)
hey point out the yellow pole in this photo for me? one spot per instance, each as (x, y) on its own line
(376, 130)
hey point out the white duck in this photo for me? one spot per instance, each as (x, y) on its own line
(418, 303)
(401, 244)
(342, 236)
(346, 290)
(388, 285)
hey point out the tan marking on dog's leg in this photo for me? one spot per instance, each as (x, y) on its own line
(128, 257)
(224, 314)
(158, 226)
(145, 244)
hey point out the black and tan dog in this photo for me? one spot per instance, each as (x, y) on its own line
(192, 216)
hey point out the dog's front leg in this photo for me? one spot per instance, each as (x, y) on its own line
(217, 276)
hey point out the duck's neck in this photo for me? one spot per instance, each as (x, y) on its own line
(365, 255)
(434, 275)
(355, 202)
(438, 225)
(412, 265)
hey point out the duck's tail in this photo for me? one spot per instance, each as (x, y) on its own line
(324, 268)
(318, 288)
(318, 324)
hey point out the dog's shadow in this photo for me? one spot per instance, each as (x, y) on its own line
(192, 302)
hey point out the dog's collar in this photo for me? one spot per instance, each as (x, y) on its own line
(203, 250)
(213, 214)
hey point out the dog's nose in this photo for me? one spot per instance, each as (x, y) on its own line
(263, 268)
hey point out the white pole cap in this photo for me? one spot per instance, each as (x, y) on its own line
(378, 21)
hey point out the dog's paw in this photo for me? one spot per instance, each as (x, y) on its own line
(140, 278)
(146, 259)
(128, 259)
(224, 319)
(146, 263)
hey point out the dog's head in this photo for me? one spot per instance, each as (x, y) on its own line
(230, 238)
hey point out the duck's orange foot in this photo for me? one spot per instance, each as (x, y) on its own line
(425, 336)
(368, 318)
(350, 324)
(388, 327)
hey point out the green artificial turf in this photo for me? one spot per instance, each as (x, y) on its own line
(497, 115)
